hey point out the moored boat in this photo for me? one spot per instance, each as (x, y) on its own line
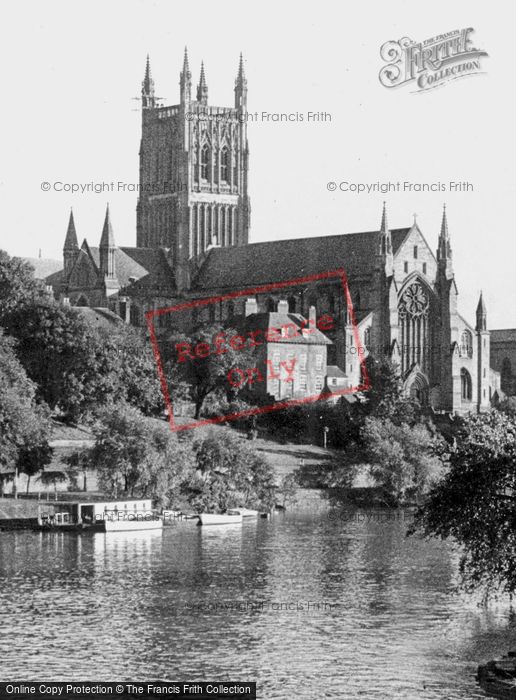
(246, 512)
(220, 518)
(132, 525)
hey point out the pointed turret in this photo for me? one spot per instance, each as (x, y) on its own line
(185, 80)
(481, 314)
(71, 235)
(148, 99)
(202, 88)
(71, 246)
(444, 249)
(385, 234)
(241, 86)
(107, 248)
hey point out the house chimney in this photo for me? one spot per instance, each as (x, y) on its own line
(312, 317)
(283, 306)
(251, 306)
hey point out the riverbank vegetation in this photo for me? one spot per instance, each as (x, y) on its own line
(59, 361)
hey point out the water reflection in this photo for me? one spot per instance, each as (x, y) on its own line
(353, 607)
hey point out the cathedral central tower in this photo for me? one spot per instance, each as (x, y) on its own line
(193, 172)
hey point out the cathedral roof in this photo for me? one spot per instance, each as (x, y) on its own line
(276, 261)
(503, 335)
(148, 266)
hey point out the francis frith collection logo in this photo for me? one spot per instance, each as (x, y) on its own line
(430, 63)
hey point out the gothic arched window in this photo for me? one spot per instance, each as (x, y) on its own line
(466, 344)
(223, 232)
(205, 162)
(465, 385)
(224, 164)
(235, 170)
(195, 163)
(506, 376)
(413, 311)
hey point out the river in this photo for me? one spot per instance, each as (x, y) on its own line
(306, 606)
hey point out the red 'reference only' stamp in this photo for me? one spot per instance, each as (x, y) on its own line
(272, 371)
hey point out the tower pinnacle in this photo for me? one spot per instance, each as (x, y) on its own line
(481, 314)
(71, 235)
(444, 251)
(241, 86)
(202, 88)
(185, 80)
(70, 248)
(385, 234)
(107, 239)
(148, 99)
(107, 248)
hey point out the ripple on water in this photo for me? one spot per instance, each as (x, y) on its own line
(348, 610)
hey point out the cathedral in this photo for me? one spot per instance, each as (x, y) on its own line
(192, 242)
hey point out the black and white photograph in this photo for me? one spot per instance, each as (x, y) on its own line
(257, 350)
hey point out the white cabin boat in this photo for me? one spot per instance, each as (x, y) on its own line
(220, 518)
(132, 525)
(246, 512)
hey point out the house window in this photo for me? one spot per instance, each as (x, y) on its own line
(318, 383)
(318, 361)
(274, 387)
(405, 266)
(302, 362)
(302, 382)
(205, 162)
(424, 268)
(367, 338)
(276, 361)
(415, 252)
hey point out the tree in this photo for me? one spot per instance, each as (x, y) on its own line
(79, 365)
(24, 425)
(17, 284)
(404, 459)
(138, 380)
(64, 355)
(207, 373)
(138, 456)
(475, 502)
(230, 473)
(385, 398)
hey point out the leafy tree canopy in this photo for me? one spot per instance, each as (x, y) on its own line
(24, 425)
(475, 502)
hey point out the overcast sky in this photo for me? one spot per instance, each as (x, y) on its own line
(71, 71)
